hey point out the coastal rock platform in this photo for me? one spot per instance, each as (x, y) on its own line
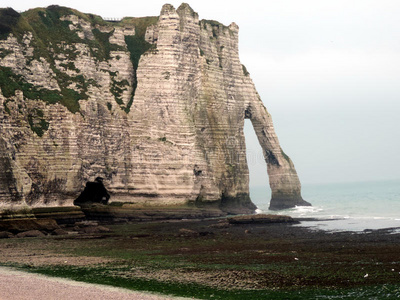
(204, 257)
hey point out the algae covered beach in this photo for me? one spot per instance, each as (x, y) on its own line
(218, 259)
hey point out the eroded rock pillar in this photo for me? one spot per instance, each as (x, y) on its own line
(283, 179)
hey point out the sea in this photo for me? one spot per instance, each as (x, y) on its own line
(358, 207)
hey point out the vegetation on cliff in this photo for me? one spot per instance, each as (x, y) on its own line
(12, 22)
(53, 37)
(137, 45)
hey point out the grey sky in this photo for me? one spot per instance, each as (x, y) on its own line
(328, 72)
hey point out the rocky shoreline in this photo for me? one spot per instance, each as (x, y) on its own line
(227, 257)
(43, 221)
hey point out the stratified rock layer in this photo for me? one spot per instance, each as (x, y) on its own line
(155, 106)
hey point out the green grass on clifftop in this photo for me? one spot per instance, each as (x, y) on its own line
(54, 38)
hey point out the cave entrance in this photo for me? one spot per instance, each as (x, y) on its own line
(94, 192)
(259, 188)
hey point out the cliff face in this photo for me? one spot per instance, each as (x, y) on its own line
(155, 106)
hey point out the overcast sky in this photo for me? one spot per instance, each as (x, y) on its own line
(328, 71)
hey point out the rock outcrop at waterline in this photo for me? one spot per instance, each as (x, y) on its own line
(154, 105)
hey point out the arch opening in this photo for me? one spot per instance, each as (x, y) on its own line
(260, 191)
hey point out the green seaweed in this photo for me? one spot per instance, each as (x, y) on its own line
(104, 275)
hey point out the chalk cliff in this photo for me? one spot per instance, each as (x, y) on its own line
(154, 105)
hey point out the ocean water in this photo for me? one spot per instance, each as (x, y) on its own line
(342, 207)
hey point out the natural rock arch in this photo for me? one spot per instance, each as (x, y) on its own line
(283, 179)
(167, 130)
